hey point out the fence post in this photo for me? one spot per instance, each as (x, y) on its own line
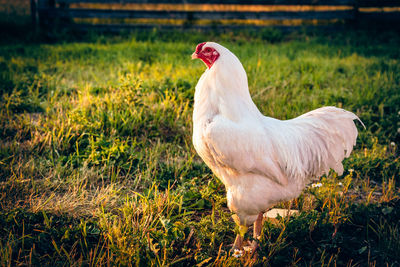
(44, 8)
(356, 12)
(34, 15)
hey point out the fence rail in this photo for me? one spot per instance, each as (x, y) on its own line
(198, 15)
(227, 2)
(49, 11)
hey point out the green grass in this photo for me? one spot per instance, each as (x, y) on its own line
(97, 165)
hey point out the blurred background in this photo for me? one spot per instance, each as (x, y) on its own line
(106, 14)
(15, 11)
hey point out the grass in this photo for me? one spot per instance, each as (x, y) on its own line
(97, 165)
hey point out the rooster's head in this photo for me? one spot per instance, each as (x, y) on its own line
(206, 52)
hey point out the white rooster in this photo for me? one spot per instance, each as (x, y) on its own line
(260, 160)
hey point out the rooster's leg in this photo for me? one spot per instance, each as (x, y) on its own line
(238, 242)
(239, 238)
(257, 231)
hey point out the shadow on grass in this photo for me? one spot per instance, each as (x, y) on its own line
(369, 236)
(44, 238)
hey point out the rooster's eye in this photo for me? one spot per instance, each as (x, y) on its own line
(207, 50)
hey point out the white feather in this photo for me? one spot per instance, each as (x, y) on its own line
(262, 160)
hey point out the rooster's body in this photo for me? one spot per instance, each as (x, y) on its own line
(261, 160)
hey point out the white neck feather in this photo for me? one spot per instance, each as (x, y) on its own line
(223, 89)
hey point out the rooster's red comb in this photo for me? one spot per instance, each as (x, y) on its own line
(199, 47)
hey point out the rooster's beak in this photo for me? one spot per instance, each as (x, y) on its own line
(194, 55)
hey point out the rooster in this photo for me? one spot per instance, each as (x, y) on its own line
(260, 160)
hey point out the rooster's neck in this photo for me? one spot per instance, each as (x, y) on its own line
(223, 90)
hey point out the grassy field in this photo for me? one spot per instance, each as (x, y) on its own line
(97, 165)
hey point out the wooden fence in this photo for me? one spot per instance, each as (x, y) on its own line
(191, 12)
